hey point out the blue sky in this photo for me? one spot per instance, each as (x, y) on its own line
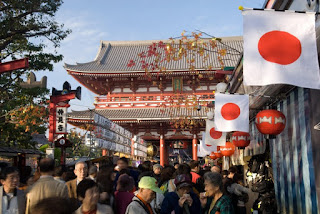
(96, 20)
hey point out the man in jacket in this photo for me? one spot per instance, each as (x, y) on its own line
(81, 171)
(12, 200)
(141, 202)
(46, 186)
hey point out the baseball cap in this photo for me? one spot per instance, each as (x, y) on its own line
(148, 182)
(182, 181)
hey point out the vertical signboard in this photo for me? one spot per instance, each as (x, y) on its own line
(61, 120)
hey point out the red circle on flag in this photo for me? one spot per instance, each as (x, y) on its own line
(230, 111)
(279, 47)
(215, 134)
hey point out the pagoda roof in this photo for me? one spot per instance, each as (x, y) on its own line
(139, 114)
(113, 57)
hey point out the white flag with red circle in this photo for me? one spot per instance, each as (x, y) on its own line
(231, 112)
(204, 148)
(280, 48)
(201, 152)
(214, 137)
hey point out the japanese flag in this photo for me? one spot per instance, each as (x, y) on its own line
(205, 149)
(231, 112)
(280, 48)
(214, 137)
(201, 152)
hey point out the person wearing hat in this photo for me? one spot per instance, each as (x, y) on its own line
(182, 200)
(140, 204)
(157, 169)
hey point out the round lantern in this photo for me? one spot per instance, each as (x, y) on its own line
(218, 152)
(241, 139)
(213, 156)
(228, 149)
(270, 122)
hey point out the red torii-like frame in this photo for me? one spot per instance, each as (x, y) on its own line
(14, 65)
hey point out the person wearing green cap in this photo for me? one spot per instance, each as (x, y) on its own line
(140, 204)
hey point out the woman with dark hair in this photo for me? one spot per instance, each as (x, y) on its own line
(213, 200)
(166, 174)
(123, 196)
(88, 194)
(239, 194)
(105, 180)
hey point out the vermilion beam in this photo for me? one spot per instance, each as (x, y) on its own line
(14, 65)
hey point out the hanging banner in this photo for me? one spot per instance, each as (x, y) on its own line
(61, 120)
(231, 112)
(214, 137)
(280, 48)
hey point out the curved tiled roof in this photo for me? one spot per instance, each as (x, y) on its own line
(114, 56)
(139, 113)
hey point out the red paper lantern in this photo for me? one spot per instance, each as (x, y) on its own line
(241, 139)
(218, 152)
(270, 122)
(228, 149)
(213, 156)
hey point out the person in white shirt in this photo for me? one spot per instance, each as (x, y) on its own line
(12, 201)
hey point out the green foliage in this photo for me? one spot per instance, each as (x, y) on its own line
(27, 29)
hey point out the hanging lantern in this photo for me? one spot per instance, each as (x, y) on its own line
(241, 139)
(218, 152)
(213, 156)
(270, 122)
(228, 149)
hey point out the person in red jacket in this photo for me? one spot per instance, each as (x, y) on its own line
(195, 168)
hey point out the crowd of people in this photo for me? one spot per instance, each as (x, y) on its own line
(120, 189)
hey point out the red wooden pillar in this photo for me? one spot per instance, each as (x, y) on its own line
(194, 148)
(162, 151)
(104, 152)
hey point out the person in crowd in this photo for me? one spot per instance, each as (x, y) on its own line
(123, 196)
(166, 175)
(141, 202)
(105, 179)
(49, 206)
(232, 171)
(237, 192)
(224, 174)
(227, 181)
(195, 169)
(182, 169)
(122, 164)
(46, 186)
(213, 200)
(157, 169)
(157, 201)
(215, 169)
(176, 165)
(12, 200)
(93, 171)
(58, 173)
(145, 166)
(80, 170)
(88, 194)
(182, 200)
